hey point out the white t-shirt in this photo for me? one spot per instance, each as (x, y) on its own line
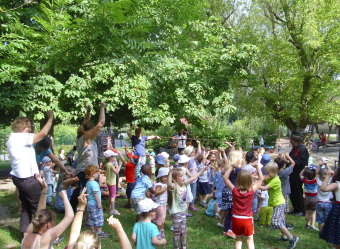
(22, 154)
(265, 195)
(323, 196)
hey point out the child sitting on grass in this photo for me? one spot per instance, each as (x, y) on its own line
(94, 204)
(145, 233)
(277, 201)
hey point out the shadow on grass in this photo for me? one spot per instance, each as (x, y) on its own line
(10, 237)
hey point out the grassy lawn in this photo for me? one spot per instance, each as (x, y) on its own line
(202, 230)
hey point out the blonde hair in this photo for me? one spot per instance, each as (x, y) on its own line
(243, 180)
(175, 174)
(260, 150)
(271, 168)
(235, 157)
(20, 123)
(41, 218)
(87, 240)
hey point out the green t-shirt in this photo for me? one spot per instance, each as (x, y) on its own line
(275, 192)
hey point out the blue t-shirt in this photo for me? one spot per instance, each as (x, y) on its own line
(139, 145)
(142, 185)
(59, 203)
(145, 231)
(39, 157)
(92, 187)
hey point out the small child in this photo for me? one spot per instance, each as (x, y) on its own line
(307, 176)
(331, 229)
(47, 165)
(112, 170)
(94, 203)
(266, 211)
(130, 168)
(160, 162)
(152, 160)
(162, 198)
(177, 202)
(203, 186)
(212, 207)
(145, 233)
(277, 201)
(243, 195)
(176, 158)
(143, 184)
(324, 198)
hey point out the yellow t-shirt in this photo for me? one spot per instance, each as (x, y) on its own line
(110, 175)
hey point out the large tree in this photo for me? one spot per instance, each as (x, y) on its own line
(152, 62)
(296, 77)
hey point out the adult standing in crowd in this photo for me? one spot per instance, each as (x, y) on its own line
(300, 156)
(139, 142)
(20, 146)
(182, 137)
(87, 148)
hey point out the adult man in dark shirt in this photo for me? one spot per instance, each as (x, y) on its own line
(300, 155)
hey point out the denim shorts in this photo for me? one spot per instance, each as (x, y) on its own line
(322, 210)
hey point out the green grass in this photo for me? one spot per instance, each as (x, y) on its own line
(202, 230)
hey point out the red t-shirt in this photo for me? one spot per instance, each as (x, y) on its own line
(242, 203)
(323, 140)
(130, 169)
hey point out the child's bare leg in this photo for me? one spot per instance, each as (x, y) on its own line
(112, 203)
(320, 226)
(223, 213)
(98, 229)
(93, 229)
(307, 217)
(206, 197)
(238, 244)
(250, 242)
(285, 231)
(312, 218)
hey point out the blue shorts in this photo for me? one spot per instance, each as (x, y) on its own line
(130, 186)
(322, 210)
(96, 216)
(203, 188)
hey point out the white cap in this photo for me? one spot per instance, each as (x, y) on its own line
(183, 159)
(147, 205)
(109, 153)
(163, 171)
(165, 155)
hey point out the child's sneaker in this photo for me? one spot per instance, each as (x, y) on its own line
(293, 242)
(204, 204)
(230, 234)
(114, 212)
(103, 235)
(193, 208)
(220, 225)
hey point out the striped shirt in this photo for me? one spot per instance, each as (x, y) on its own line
(311, 187)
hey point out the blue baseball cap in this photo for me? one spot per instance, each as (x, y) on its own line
(160, 159)
(265, 159)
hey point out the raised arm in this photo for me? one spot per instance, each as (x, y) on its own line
(227, 182)
(91, 134)
(88, 111)
(171, 186)
(329, 187)
(53, 233)
(44, 131)
(302, 171)
(121, 155)
(199, 149)
(195, 176)
(291, 161)
(153, 137)
(130, 130)
(78, 218)
(116, 170)
(109, 144)
(58, 163)
(259, 182)
(123, 239)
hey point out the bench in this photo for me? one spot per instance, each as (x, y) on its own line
(329, 144)
(266, 147)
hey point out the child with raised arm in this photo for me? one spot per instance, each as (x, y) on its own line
(331, 229)
(145, 233)
(94, 205)
(277, 201)
(177, 202)
(307, 176)
(42, 231)
(324, 204)
(143, 184)
(87, 238)
(243, 195)
(112, 170)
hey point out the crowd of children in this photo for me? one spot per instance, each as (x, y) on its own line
(232, 185)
